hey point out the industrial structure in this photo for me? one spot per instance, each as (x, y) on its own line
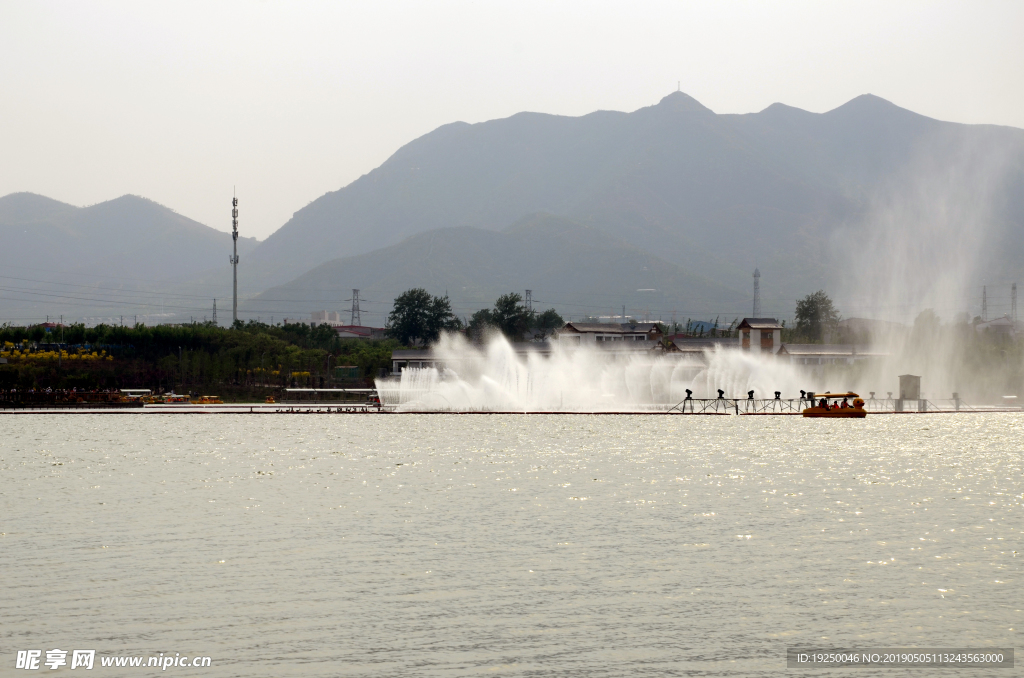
(333, 319)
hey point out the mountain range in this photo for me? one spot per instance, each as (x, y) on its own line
(714, 194)
(588, 210)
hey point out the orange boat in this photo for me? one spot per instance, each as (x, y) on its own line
(823, 406)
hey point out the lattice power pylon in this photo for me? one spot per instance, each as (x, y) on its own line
(356, 320)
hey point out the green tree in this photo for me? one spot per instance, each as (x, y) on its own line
(419, 317)
(547, 322)
(926, 331)
(511, 317)
(816, 316)
(480, 322)
(927, 323)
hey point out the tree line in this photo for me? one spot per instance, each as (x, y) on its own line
(419, 318)
(248, 360)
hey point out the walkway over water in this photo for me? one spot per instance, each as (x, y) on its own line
(690, 406)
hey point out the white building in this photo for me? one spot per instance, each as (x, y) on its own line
(1001, 326)
(360, 332)
(827, 354)
(594, 333)
(325, 318)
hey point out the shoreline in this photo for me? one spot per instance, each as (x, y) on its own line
(263, 408)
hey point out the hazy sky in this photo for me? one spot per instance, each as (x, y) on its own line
(179, 101)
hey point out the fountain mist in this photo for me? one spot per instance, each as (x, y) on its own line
(493, 376)
(927, 240)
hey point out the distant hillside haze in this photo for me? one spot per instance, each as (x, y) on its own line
(131, 235)
(569, 266)
(712, 193)
(129, 243)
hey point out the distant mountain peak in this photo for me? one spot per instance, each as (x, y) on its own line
(18, 207)
(782, 109)
(869, 104)
(29, 197)
(869, 100)
(131, 198)
(681, 102)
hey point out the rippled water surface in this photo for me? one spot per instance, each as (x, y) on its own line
(450, 545)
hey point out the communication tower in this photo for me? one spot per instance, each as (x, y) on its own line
(529, 300)
(1013, 303)
(234, 259)
(356, 320)
(214, 311)
(984, 303)
(757, 294)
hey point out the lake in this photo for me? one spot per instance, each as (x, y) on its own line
(520, 545)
